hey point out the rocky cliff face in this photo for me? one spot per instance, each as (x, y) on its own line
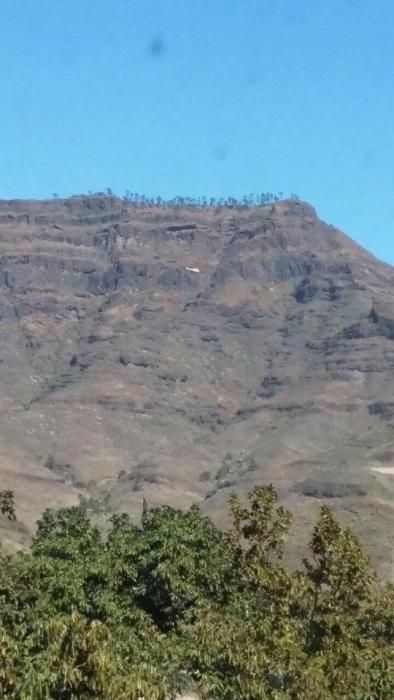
(177, 354)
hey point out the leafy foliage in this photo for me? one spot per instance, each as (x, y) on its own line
(148, 611)
(7, 505)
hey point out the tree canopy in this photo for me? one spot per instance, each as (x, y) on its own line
(175, 603)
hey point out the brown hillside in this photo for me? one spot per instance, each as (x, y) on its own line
(176, 354)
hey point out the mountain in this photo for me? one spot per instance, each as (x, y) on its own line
(176, 354)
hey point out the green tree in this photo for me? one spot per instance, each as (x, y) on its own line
(149, 610)
(182, 559)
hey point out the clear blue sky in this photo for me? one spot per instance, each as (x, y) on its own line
(216, 97)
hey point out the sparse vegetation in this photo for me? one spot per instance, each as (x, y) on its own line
(99, 505)
(64, 470)
(7, 505)
(250, 200)
(141, 200)
(205, 475)
(234, 465)
(176, 604)
(328, 489)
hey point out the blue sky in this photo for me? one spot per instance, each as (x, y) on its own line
(194, 97)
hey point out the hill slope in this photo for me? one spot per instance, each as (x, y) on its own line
(177, 354)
